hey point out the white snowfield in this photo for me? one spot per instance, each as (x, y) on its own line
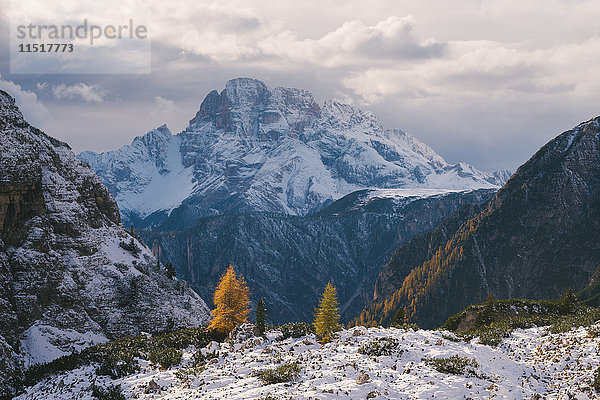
(530, 364)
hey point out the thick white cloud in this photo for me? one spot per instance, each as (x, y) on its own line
(483, 70)
(87, 93)
(247, 37)
(354, 44)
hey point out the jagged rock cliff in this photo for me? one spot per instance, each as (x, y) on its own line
(535, 238)
(66, 280)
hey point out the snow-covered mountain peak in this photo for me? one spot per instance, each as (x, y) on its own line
(249, 109)
(160, 134)
(252, 148)
(292, 97)
(155, 142)
(147, 175)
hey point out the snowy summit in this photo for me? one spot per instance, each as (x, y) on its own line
(252, 148)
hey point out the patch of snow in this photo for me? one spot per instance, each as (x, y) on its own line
(44, 343)
(570, 142)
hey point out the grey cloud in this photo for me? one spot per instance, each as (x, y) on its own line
(88, 93)
(27, 101)
(486, 96)
(402, 44)
(239, 24)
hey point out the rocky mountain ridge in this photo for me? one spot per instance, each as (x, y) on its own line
(71, 274)
(535, 238)
(288, 260)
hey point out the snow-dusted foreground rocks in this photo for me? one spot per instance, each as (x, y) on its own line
(530, 364)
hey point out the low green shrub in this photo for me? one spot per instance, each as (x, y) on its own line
(185, 375)
(200, 359)
(166, 358)
(594, 331)
(452, 337)
(407, 326)
(496, 319)
(455, 365)
(132, 247)
(381, 347)
(584, 316)
(37, 372)
(296, 329)
(117, 359)
(284, 373)
(112, 392)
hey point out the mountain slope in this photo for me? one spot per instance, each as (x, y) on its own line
(288, 260)
(535, 238)
(66, 280)
(255, 149)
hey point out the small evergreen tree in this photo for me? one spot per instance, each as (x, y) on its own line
(568, 302)
(232, 302)
(170, 270)
(327, 315)
(398, 318)
(261, 316)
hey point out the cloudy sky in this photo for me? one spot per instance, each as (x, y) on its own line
(485, 82)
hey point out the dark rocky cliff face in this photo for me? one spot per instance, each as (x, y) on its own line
(289, 260)
(535, 238)
(65, 281)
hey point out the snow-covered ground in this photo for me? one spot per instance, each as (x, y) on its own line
(531, 364)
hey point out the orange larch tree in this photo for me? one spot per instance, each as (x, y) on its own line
(232, 302)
